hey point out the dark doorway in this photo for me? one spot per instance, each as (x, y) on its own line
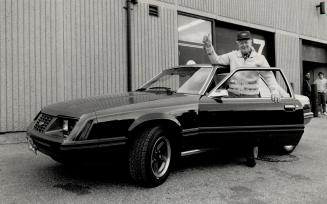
(314, 56)
(314, 68)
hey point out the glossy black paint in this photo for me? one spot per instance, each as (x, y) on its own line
(107, 122)
(249, 120)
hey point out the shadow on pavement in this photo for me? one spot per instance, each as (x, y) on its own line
(81, 177)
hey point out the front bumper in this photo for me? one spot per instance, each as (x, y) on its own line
(59, 148)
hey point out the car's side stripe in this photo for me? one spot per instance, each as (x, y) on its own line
(240, 129)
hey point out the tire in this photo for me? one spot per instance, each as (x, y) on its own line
(150, 157)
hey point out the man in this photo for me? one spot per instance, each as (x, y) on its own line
(306, 85)
(244, 86)
(246, 56)
(322, 90)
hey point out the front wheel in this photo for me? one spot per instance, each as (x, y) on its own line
(150, 157)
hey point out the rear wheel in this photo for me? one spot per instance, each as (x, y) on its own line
(150, 157)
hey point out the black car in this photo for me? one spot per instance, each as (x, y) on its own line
(182, 109)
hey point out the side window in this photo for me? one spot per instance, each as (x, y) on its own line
(282, 87)
(252, 84)
(264, 90)
(217, 78)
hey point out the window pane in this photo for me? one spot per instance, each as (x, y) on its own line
(192, 29)
(190, 46)
(282, 87)
(253, 83)
(182, 80)
(195, 82)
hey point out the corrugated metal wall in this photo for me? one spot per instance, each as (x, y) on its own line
(55, 50)
(288, 58)
(155, 45)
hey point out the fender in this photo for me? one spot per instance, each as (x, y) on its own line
(153, 116)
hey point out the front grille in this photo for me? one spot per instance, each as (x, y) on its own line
(42, 122)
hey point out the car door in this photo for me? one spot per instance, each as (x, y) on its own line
(239, 120)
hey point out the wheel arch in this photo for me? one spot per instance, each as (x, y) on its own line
(154, 119)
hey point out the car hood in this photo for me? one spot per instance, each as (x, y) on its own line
(76, 108)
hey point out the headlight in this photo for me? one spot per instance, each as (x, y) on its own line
(65, 126)
(62, 126)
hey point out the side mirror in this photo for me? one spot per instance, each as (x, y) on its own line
(219, 93)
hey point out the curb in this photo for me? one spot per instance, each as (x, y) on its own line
(13, 138)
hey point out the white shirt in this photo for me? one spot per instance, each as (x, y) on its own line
(321, 85)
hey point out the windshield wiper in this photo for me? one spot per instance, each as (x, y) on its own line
(160, 87)
(167, 89)
(141, 89)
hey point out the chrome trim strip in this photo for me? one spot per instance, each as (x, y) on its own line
(95, 141)
(195, 151)
(190, 130)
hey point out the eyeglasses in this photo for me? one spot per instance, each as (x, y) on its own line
(241, 42)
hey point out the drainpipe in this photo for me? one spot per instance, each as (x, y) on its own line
(128, 43)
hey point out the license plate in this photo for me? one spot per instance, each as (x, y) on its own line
(31, 145)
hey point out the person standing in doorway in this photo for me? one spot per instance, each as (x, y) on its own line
(306, 85)
(322, 90)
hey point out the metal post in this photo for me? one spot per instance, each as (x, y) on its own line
(128, 44)
(314, 100)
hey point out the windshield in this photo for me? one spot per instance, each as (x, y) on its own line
(180, 80)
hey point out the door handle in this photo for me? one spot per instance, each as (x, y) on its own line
(290, 107)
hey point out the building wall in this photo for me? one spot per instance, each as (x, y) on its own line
(288, 58)
(57, 50)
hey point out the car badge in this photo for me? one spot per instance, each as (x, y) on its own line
(41, 123)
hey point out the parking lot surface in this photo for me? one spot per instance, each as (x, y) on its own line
(212, 177)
